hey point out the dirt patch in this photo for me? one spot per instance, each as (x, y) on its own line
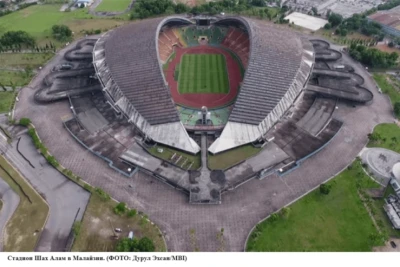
(191, 3)
(387, 49)
(97, 231)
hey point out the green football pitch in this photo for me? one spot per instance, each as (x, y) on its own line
(203, 74)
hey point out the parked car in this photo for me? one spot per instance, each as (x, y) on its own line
(66, 66)
(118, 230)
(393, 244)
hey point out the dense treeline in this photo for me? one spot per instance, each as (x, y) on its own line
(373, 57)
(357, 22)
(150, 8)
(21, 6)
(16, 40)
(389, 5)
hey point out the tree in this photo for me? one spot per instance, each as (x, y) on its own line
(131, 213)
(120, 208)
(328, 26)
(335, 19)
(146, 245)
(61, 32)
(181, 8)
(314, 11)
(397, 109)
(259, 3)
(325, 189)
(15, 39)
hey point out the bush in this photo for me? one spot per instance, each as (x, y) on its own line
(24, 122)
(120, 208)
(131, 213)
(76, 228)
(285, 212)
(325, 189)
(144, 244)
(52, 160)
(103, 195)
(61, 32)
(397, 109)
(87, 187)
(274, 217)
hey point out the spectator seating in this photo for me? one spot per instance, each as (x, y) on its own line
(238, 41)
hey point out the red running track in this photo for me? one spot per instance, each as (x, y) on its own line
(208, 100)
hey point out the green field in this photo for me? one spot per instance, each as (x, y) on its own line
(389, 137)
(338, 221)
(37, 20)
(203, 73)
(113, 5)
(6, 99)
(16, 78)
(231, 157)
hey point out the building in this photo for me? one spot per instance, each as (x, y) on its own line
(395, 181)
(83, 3)
(389, 20)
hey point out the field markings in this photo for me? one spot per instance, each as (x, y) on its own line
(203, 73)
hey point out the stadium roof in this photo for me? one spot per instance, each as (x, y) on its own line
(279, 66)
(127, 64)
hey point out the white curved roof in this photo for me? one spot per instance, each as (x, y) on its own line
(396, 171)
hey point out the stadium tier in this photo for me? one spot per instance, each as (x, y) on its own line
(139, 66)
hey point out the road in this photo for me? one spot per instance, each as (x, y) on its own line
(10, 201)
(64, 197)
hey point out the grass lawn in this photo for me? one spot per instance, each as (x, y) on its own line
(203, 73)
(38, 20)
(113, 5)
(99, 220)
(6, 99)
(16, 78)
(168, 152)
(20, 232)
(388, 87)
(19, 60)
(387, 131)
(227, 159)
(338, 221)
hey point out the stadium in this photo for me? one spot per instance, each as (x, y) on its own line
(211, 63)
(203, 104)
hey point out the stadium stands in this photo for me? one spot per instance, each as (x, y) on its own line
(238, 41)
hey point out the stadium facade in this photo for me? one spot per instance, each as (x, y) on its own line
(128, 65)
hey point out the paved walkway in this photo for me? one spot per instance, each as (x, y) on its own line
(64, 197)
(10, 201)
(241, 209)
(380, 161)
